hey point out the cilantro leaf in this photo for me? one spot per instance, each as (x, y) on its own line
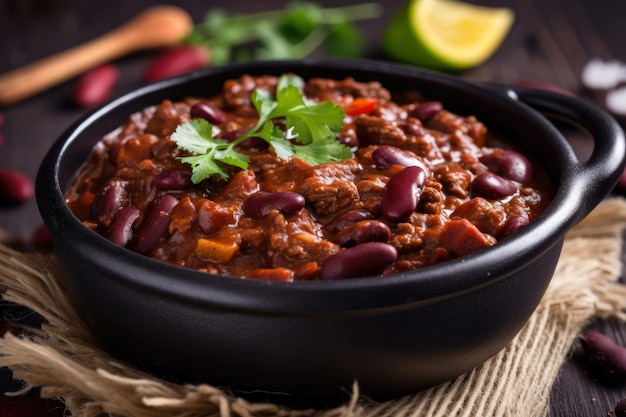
(292, 125)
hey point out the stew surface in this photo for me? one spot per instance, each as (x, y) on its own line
(423, 186)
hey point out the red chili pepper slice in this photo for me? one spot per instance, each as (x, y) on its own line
(360, 106)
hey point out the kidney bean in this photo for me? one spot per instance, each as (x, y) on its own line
(426, 110)
(154, 224)
(348, 219)
(385, 156)
(95, 86)
(111, 198)
(208, 111)
(509, 164)
(177, 61)
(368, 259)
(172, 180)
(512, 225)
(620, 408)
(15, 187)
(41, 239)
(31, 406)
(607, 357)
(362, 232)
(260, 204)
(491, 186)
(402, 193)
(121, 230)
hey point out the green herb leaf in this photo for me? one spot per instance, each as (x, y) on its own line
(293, 32)
(292, 125)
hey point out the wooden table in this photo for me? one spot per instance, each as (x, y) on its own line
(551, 41)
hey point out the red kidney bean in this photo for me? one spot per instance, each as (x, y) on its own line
(154, 224)
(491, 186)
(208, 111)
(512, 225)
(31, 406)
(362, 232)
(368, 259)
(172, 180)
(15, 187)
(509, 164)
(121, 230)
(347, 219)
(607, 358)
(260, 204)
(111, 198)
(177, 61)
(620, 408)
(385, 156)
(95, 86)
(402, 193)
(426, 110)
(41, 239)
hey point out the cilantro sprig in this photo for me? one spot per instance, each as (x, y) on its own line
(292, 32)
(292, 125)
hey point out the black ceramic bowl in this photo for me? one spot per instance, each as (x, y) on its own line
(393, 336)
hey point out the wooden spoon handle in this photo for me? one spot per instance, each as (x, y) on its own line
(157, 26)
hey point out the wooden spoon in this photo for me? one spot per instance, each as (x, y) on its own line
(155, 27)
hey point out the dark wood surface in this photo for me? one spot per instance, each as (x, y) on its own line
(551, 41)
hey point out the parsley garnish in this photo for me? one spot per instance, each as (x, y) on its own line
(308, 132)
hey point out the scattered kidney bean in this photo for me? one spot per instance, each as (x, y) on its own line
(95, 86)
(368, 259)
(492, 186)
(15, 187)
(31, 406)
(621, 183)
(207, 111)
(607, 357)
(121, 230)
(172, 180)
(154, 224)
(111, 198)
(41, 240)
(620, 408)
(362, 232)
(385, 156)
(426, 110)
(260, 204)
(509, 164)
(402, 193)
(177, 61)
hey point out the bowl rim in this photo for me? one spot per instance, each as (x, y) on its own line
(398, 291)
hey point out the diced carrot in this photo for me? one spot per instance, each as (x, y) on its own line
(216, 250)
(272, 274)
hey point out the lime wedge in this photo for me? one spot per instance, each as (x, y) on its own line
(446, 34)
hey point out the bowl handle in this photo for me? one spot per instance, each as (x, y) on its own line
(599, 174)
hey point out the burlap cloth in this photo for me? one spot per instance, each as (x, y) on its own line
(64, 360)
